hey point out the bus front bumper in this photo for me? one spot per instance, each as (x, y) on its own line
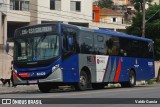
(55, 76)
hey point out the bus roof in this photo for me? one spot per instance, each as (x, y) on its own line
(120, 34)
(103, 31)
(111, 32)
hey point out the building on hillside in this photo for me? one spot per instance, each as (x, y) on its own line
(111, 16)
(156, 2)
(121, 2)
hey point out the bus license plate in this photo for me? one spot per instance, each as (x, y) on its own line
(32, 81)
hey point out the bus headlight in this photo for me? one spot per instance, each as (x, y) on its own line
(55, 67)
(15, 71)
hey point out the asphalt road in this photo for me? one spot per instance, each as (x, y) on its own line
(147, 91)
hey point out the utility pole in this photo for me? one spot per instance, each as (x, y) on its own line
(143, 20)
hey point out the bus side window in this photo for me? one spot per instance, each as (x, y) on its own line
(150, 50)
(69, 42)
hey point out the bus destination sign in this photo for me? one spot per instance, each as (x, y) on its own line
(37, 30)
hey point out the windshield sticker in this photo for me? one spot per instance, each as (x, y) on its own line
(22, 58)
(34, 58)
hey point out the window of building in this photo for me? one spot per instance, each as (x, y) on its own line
(101, 19)
(114, 19)
(55, 4)
(24, 5)
(75, 6)
(93, 15)
(19, 5)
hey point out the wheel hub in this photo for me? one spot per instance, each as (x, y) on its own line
(82, 81)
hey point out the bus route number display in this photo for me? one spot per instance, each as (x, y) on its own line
(37, 30)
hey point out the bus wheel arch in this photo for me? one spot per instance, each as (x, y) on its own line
(44, 87)
(87, 71)
(131, 79)
(84, 79)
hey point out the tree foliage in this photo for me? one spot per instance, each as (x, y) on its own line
(152, 29)
(106, 3)
(138, 4)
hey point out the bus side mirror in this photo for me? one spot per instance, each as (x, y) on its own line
(70, 41)
(7, 47)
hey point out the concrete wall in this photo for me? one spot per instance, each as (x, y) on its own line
(108, 25)
(157, 65)
(5, 61)
(3, 22)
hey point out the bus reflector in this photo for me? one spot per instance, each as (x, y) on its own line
(74, 74)
(23, 75)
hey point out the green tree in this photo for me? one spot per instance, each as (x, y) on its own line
(135, 28)
(106, 3)
(138, 4)
(152, 29)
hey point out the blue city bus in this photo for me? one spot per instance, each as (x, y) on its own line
(56, 54)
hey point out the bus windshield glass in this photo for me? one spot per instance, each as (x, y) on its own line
(37, 48)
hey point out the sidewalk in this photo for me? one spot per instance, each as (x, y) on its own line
(18, 89)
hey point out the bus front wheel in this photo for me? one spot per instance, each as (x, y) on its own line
(44, 87)
(83, 82)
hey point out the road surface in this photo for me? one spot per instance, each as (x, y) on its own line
(146, 91)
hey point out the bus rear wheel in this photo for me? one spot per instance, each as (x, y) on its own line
(44, 87)
(83, 82)
(132, 80)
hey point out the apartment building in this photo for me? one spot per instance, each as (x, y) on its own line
(28, 12)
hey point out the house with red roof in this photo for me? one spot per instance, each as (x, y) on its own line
(111, 16)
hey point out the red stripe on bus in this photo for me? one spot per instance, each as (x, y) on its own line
(116, 79)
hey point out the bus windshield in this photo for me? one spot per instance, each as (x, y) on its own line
(36, 48)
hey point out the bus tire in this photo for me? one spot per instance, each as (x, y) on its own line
(44, 87)
(83, 82)
(98, 86)
(132, 80)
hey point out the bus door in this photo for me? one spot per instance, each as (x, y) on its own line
(69, 57)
